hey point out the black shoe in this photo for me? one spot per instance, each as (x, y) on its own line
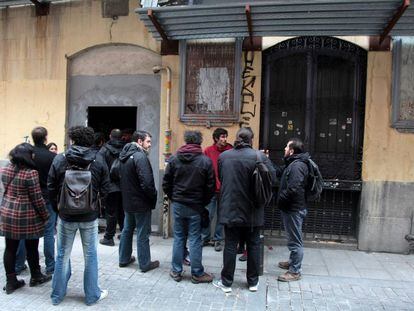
(107, 242)
(12, 286)
(153, 265)
(176, 276)
(243, 257)
(24, 268)
(40, 279)
(118, 236)
(50, 272)
(131, 260)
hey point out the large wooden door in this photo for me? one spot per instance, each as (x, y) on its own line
(313, 88)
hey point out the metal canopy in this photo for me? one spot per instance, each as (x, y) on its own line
(281, 18)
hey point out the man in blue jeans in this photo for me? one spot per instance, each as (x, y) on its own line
(189, 183)
(292, 203)
(139, 198)
(43, 159)
(78, 157)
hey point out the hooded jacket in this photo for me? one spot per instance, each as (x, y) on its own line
(137, 180)
(81, 157)
(293, 183)
(236, 167)
(110, 151)
(213, 152)
(189, 177)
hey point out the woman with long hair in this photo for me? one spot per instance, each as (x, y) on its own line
(22, 215)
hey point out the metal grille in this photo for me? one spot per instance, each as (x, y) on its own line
(333, 218)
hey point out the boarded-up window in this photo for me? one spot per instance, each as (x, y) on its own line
(209, 90)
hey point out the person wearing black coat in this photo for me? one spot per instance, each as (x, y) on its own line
(78, 156)
(292, 203)
(139, 199)
(189, 182)
(239, 214)
(114, 211)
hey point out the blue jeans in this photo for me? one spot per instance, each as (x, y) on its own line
(218, 232)
(142, 222)
(48, 244)
(292, 222)
(49, 240)
(66, 232)
(187, 223)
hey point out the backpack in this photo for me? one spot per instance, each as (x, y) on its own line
(115, 171)
(76, 193)
(315, 182)
(262, 183)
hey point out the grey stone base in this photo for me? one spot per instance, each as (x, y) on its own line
(386, 216)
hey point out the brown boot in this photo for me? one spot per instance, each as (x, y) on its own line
(289, 277)
(283, 265)
(205, 278)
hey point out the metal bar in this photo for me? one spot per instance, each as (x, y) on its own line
(157, 24)
(249, 23)
(394, 20)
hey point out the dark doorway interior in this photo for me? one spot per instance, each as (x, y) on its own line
(104, 119)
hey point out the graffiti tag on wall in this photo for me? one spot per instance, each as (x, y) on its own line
(248, 105)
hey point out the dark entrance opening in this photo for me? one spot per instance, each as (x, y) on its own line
(104, 119)
(314, 89)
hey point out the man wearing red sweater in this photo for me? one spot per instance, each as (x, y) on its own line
(213, 152)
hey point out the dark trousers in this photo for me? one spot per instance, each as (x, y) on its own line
(232, 237)
(9, 257)
(114, 214)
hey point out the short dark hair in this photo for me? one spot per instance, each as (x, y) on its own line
(193, 137)
(81, 135)
(98, 139)
(115, 134)
(140, 135)
(39, 134)
(218, 132)
(296, 144)
(22, 156)
(50, 145)
(245, 135)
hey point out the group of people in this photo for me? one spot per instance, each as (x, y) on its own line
(201, 185)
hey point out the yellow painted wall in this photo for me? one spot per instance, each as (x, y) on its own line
(178, 127)
(388, 154)
(33, 64)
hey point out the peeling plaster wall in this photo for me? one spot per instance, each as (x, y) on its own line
(33, 64)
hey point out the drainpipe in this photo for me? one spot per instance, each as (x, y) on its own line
(167, 150)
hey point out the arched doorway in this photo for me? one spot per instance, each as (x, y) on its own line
(314, 89)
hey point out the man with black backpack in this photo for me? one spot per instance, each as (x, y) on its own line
(241, 206)
(74, 180)
(292, 201)
(113, 206)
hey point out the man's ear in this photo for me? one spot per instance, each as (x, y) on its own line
(139, 141)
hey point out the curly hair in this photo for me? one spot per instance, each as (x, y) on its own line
(81, 136)
(193, 137)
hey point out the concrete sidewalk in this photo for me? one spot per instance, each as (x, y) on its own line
(332, 280)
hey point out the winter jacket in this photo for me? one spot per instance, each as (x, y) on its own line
(189, 177)
(43, 160)
(110, 151)
(137, 180)
(22, 212)
(81, 157)
(292, 193)
(213, 152)
(236, 167)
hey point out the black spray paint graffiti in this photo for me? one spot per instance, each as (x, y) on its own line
(248, 106)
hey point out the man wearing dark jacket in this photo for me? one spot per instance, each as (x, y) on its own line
(78, 156)
(293, 206)
(113, 206)
(189, 183)
(139, 199)
(239, 214)
(43, 159)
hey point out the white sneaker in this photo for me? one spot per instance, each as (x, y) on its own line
(226, 289)
(254, 288)
(104, 294)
